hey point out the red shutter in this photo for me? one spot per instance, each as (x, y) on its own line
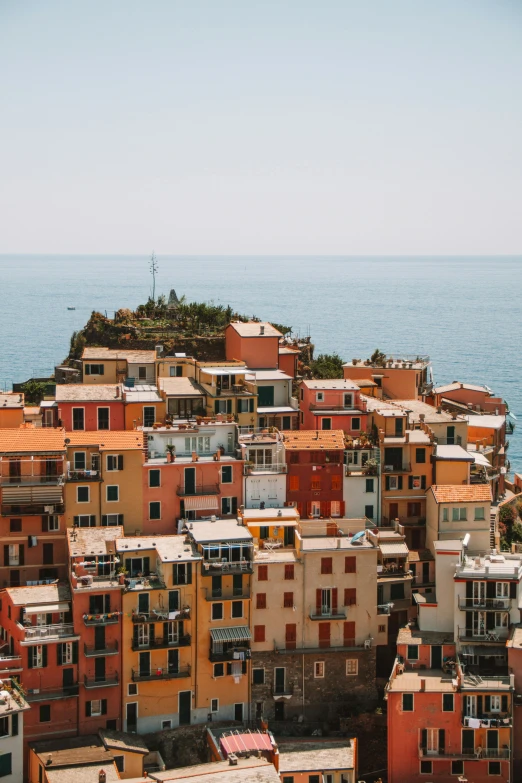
(259, 633)
(318, 600)
(309, 509)
(334, 600)
(326, 507)
(350, 596)
(342, 508)
(290, 636)
(349, 565)
(349, 634)
(324, 634)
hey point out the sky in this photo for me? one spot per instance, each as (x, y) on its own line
(324, 127)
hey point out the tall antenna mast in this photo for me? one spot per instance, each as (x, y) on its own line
(153, 269)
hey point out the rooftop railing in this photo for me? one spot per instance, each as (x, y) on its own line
(56, 631)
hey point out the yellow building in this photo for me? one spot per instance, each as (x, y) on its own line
(143, 406)
(177, 366)
(108, 365)
(159, 667)
(230, 390)
(104, 479)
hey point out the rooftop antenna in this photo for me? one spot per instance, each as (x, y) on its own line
(153, 270)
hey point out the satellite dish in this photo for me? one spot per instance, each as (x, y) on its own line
(67, 440)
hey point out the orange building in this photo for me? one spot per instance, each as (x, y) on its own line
(11, 410)
(254, 343)
(332, 405)
(90, 406)
(407, 377)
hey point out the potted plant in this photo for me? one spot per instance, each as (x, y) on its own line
(121, 574)
(171, 452)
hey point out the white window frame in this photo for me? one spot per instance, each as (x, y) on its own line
(355, 418)
(97, 366)
(158, 486)
(319, 670)
(132, 685)
(236, 617)
(432, 741)
(213, 709)
(348, 404)
(67, 653)
(111, 522)
(394, 482)
(319, 396)
(93, 712)
(218, 676)
(77, 408)
(156, 519)
(502, 590)
(112, 459)
(86, 518)
(496, 703)
(102, 407)
(316, 507)
(335, 508)
(349, 663)
(53, 523)
(14, 554)
(501, 619)
(110, 486)
(84, 454)
(83, 486)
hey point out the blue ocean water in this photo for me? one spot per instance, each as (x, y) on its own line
(463, 312)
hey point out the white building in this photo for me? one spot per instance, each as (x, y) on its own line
(12, 707)
(265, 468)
(361, 484)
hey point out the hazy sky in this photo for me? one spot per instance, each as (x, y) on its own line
(261, 126)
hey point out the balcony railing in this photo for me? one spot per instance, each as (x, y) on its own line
(483, 636)
(83, 475)
(108, 618)
(228, 594)
(348, 409)
(111, 648)
(106, 681)
(50, 694)
(162, 643)
(198, 489)
(327, 613)
(35, 508)
(258, 435)
(280, 691)
(150, 582)
(219, 655)
(346, 645)
(59, 631)
(456, 440)
(384, 608)
(216, 567)
(275, 467)
(477, 604)
(466, 753)
(8, 662)
(160, 673)
(404, 468)
(159, 614)
(499, 720)
(32, 481)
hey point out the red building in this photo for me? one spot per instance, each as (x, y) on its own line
(315, 472)
(90, 406)
(444, 721)
(38, 629)
(332, 405)
(32, 527)
(96, 609)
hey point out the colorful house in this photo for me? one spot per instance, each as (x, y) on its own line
(315, 472)
(332, 405)
(12, 709)
(90, 406)
(264, 468)
(143, 406)
(11, 410)
(406, 377)
(108, 365)
(229, 390)
(255, 343)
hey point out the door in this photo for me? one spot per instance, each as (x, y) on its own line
(68, 678)
(492, 739)
(238, 712)
(432, 741)
(279, 710)
(450, 435)
(393, 456)
(399, 426)
(394, 511)
(99, 669)
(190, 481)
(144, 664)
(173, 661)
(99, 637)
(132, 716)
(326, 601)
(468, 742)
(479, 623)
(184, 705)
(143, 635)
(15, 470)
(436, 656)
(279, 680)
(287, 423)
(324, 634)
(48, 557)
(470, 706)
(289, 536)
(479, 593)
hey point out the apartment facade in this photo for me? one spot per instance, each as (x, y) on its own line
(108, 365)
(315, 472)
(264, 467)
(332, 405)
(86, 407)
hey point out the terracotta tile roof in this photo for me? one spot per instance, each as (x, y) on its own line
(38, 594)
(31, 440)
(96, 392)
(314, 439)
(255, 329)
(107, 440)
(474, 493)
(132, 356)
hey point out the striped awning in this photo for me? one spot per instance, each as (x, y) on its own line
(238, 633)
(22, 495)
(202, 503)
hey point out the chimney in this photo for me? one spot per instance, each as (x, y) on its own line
(439, 408)
(118, 390)
(159, 350)
(423, 685)
(454, 415)
(232, 760)
(261, 329)
(102, 776)
(422, 416)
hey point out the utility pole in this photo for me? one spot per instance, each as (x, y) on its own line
(153, 269)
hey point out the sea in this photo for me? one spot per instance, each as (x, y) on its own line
(464, 312)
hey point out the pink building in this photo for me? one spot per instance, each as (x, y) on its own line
(90, 407)
(332, 405)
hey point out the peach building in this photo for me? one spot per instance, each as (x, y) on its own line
(407, 377)
(255, 343)
(143, 406)
(332, 405)
(11, 410)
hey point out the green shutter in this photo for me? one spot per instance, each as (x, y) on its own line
(59, 654)
(14, 725)
(251, 405)
(216, 406)
(44, 655)
(120, 461)
(229, 406)
(75, 652)
(87, 709)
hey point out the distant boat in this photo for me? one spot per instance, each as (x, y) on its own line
(71, 308)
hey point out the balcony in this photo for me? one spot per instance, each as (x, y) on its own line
(36, 507)
(476, 604)
(10, 662)
(51, 694)
(467, 753)
(33, 633)
(492, 636)
(109, 618)
(150, 582)
(159, 614)
(456, 440)
(327, 613)
(254, 470)
(325, 407)
(218, 567)
(384, 608)
(36, 480)
(111, 648)
(102, 682)
(160, 674)
(162, 643)
(83, 475)
(405, 468)
(219, 654)
(346, 645)
(501, 720)
(227, 595)
(282, 692)
(198, 489)
(248, 435)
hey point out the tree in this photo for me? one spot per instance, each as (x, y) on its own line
(34, 391)
(153, 270)
(327, 365)
(378, 357)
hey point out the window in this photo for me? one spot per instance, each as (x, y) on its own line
(413, 652)
(214, 705)
(369, 485)
(6, 764)
(115, 462)
(142, 373)
(326, 565)
(85, 520)
(407, 702)
(294, 483)
(335, 508)
(289, 571)
(288, 600)
(348, 400)
(217, 611)
(458, 514)
(78, 418)
(479, 513)
(318, 669)
(219, 670)
(356, 423)
(350, 596)
(315, 483)
(319, 397)
(314, 778)
(226, 474)
(149, 415)
(53, 523)
(414, 509)
(445, 515)
(96, 707)
(420, 456)
(262, 573)
(397, 591)
(155, 510)
(352, 667)
(132, 689)
(349, 565)
(495, 703)
(79, 460)
(237, 609)
(228, 506)
(368, 512)
(154, 478)
(502, 589)
(15, 525)
(4, 727)
(382, 629)
(94, 369)
(326, 424)
(258, 676)
(392, 482)
(109, 520)
(447, 702)
(494, 768)
(113, 493)
(45, 713)
(261, 601)
(259, 633)
(336, 483)
(289, 778)
(457, 767)
(426, 768)
(82, 494)
(103, 419)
